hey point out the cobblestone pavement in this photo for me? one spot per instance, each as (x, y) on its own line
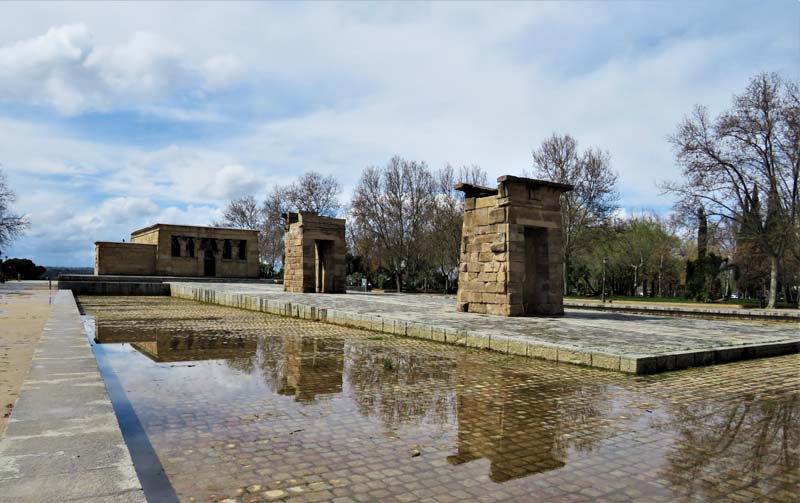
(610, 333)
(241, 406)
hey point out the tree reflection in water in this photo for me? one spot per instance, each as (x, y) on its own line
(399, 386)
(723, 447)
(304, 367)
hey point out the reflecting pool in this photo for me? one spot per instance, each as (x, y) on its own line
(225, 404)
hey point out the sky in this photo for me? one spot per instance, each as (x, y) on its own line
(115, 116)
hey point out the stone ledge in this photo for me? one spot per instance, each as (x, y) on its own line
(633, 364)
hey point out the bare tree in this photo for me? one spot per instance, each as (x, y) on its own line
(310, 192)
(473, 174)
(243, 213)
(314, 192)
(394, 204)
(444, 241)
(594, 198)
(12, 225)
(275, 204)
(748, 153)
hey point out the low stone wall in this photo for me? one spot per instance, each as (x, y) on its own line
(114, 287)
(135, 285)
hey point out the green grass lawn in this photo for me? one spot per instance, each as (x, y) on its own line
(731, 302)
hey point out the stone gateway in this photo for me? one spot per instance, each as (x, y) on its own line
(511, 262)
(181, 250)
(315, 254)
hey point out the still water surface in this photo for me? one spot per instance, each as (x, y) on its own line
(223, 404)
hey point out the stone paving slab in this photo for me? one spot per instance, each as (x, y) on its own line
(63, 441)
(637, 344)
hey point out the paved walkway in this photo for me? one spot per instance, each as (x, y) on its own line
(626, 342)
(24, 309)
(63, 442)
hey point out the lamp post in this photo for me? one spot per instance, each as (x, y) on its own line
(603, 293)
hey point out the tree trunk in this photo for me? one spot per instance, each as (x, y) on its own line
(773, 282)
(399, 279)
(786, 290)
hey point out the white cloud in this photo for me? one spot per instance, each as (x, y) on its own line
(111, 191)
(336, 87)
(185, 174)
(46, 69)
(233, 181)
(65, 69)
(144, 68)
(222, 71)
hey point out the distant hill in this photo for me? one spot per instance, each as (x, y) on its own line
(53, 271)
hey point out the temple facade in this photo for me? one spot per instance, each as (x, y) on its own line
(181, 250)
(511, 260)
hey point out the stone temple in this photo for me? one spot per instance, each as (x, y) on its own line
(181, 250)
(315, 254)
(511, 262)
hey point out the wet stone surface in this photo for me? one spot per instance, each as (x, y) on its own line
(246, 407)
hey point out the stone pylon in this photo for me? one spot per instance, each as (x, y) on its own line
(315, 254)
(511, 258)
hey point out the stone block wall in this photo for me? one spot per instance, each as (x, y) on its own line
(314, 254)
(130, 259)
(204, 241)
(511, 263)
(151, 253)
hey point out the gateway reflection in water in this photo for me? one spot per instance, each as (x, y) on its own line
(279, 408)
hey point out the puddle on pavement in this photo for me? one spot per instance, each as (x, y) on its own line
(244, 406)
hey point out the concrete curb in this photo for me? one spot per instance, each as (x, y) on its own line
(632, 364)
(63, 440)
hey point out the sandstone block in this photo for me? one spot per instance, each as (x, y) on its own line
(497, 247)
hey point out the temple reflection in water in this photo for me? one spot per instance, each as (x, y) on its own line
(312, 366)
(517, 439)
(172, 348)
(163, 346)
(397, 388)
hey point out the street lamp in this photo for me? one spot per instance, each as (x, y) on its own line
(603, 294)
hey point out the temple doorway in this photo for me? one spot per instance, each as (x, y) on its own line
(323, 264)
(536, 286)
